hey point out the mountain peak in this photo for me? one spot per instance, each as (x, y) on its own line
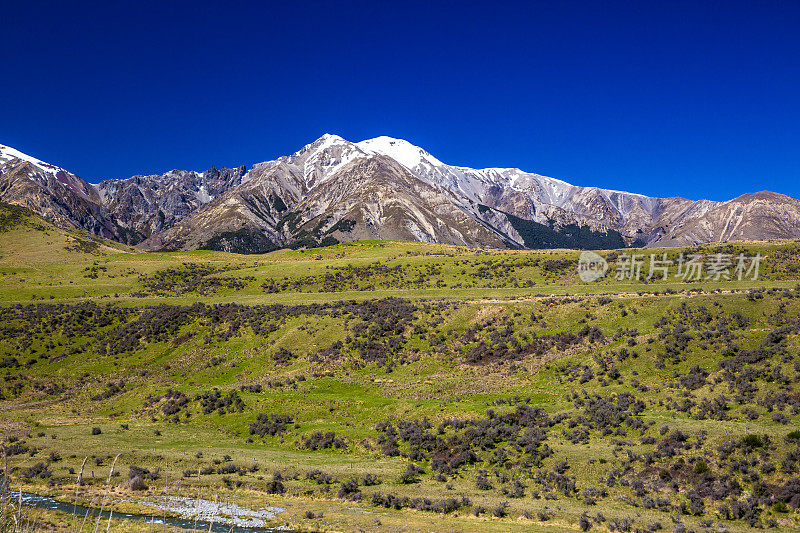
(402, 151)
(328, 139)
(763, 195)
(7, 153)
(323, 158)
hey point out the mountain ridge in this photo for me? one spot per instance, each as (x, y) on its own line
(334, 190)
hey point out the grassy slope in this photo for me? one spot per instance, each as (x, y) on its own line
(348, 396)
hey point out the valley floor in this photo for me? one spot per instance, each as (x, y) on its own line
(383, 386)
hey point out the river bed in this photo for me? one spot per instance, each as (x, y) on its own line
(193, 513)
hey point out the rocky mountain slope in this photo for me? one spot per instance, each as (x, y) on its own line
(147, 205)
(54, 193)
(333, 190)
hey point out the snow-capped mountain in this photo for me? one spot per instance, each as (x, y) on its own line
(334, 190)
(52, 192)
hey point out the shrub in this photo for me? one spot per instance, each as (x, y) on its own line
(214, 401)
(701, 467)
(275, 487)
(482, 483)
(752, 441)
(283, 357)
(349, 491)
(96, 431)
(780, 418)
(320, 477)
(270, 424)
(590, 495)
(780, 507)
(501, 510)
(38, 470)
(370, 480)
(144, 473)
(790, 492)
(112, 389)
(391, 501)
(137, 483)
(410, 475)
(228, 469)
(517, 490)
(319, 440)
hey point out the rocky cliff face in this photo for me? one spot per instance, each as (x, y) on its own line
(333, 190)
(147, 205)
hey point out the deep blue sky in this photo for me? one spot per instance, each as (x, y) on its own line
(695, 98)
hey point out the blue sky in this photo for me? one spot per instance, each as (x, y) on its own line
(696, 98)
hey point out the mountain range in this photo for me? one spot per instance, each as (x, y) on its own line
(333, 190)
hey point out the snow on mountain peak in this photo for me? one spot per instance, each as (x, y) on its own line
(400, 150)
(7, 153)
(325, 157)
(42, 169)
(328, 139)
(330, 153)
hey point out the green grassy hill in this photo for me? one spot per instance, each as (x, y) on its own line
(379, 386)
(26, 239)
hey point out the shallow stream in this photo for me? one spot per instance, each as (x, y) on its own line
(193, 514)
